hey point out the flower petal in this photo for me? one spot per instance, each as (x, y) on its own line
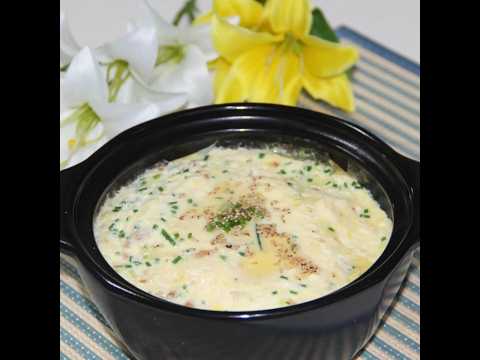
(201, 36)
(120, 117)
(84, 81)
(280, 81)
(68, 45)
(336, 91)
(235, 85)
(67, 132)
(289, 16)
(325, 59)
(167, 33)
(231, 41)
(249, 11)
(204, 18)
(221, 68)
(84, 152)
(189, 76)
(139, 48)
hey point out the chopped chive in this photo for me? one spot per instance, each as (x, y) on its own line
(274, 292)
(156, 176)
(177, 259)
(331, 229)
(293, 292)
(163, 219)
(172, 202)
(117, 208)
(383, 238)
(190, 201)
(189, 235)
(356, 185)
(176, 235)
(128, 266)
(160, 188)
(289, 184)
(167, 236)
(309, 179)
(241, 253)
(206, 157)
(155, 227)
(303, 285)
(223, 257)
(142, 189)
(261, 155)
(121, 234)
(283, 172)
(259, 241)
(147, 263)
(284, 277)
(135, 210)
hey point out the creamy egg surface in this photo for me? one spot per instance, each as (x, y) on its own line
(241, 229)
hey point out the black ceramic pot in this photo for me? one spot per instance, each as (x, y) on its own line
(336, 326)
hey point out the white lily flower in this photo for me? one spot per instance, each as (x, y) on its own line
(87, 116)
(68, 45)
(182, 58)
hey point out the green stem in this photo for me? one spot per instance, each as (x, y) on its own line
(189, 9)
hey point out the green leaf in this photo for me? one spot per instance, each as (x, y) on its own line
(322, 29)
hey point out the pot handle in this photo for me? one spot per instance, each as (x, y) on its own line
(70, 180)
(411, 171)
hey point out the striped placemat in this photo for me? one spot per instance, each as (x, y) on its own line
(387, 89)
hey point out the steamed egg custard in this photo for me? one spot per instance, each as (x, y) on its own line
(241, 229)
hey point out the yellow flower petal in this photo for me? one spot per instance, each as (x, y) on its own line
(292, 16)
(325, 59)
(221, 68)
(204, 18)
(279, 80)
(231, 41)
(236, 85)
(249, 11)
(336, 91)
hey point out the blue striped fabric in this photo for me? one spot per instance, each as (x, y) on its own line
(387, 90)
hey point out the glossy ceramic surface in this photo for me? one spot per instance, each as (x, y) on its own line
(333, 327)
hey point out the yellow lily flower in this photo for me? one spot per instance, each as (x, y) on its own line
(270, 56)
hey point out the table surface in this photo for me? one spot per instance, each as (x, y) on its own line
(395, 24)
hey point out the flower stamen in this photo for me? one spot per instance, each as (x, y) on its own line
(174, 53)
(115, 82)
